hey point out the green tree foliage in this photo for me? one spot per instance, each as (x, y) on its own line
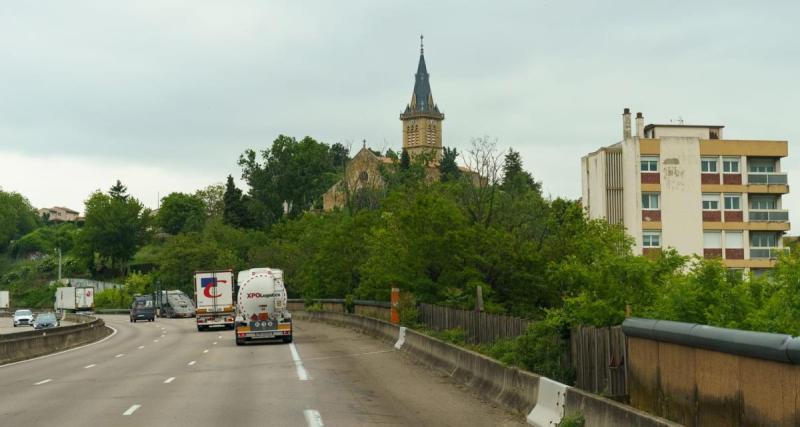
(116, 226)
(118, 191)
(517, 180)
(405, 160)
(17, 218)
(213, 198)
(235, 210)
(340, 155)
(449, 167)
(181, 212)
(292, 175)
(46, 240)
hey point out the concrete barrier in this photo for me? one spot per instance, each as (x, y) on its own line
(27, 345)
(540, 399)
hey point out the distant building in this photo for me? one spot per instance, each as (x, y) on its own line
(59, 214)
(684, 186)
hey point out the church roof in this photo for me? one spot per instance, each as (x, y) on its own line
(422, 97)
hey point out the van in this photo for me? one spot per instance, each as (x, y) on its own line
(143, 308)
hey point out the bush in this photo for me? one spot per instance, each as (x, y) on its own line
(112, 298)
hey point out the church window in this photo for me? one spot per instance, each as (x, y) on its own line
(363, 176)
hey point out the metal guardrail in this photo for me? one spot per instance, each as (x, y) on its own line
(767, 178)
(768, 215)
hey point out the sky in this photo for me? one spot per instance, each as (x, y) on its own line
(165, 95)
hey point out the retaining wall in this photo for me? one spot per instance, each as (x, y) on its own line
(514, 389)
(27, 345)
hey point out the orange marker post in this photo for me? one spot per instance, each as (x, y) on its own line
(395, 305)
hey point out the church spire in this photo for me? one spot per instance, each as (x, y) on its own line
(422, 120)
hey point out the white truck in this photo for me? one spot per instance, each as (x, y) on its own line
(213, 297)
(74, 299)
(4, 301)
(261, 311)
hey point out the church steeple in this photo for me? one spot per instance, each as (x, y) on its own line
(422, 119)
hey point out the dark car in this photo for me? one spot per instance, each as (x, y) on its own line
(143, 308)
(45, 320)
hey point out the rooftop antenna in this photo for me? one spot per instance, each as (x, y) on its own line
(421, 44)
(679, 120)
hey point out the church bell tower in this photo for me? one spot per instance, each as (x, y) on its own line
(422, 121)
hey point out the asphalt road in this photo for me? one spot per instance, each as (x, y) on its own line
(165, 373)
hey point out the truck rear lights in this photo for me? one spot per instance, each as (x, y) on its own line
(242, 335)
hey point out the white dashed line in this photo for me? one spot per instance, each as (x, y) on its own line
(219, 337)
(215, 343)
(141, 347)
(119, 355)
(90, 366)
(298, 364)
(44, 381)
(205, 351)
(192, 362)
(313, 418)
(169, 380)
(155, 340)
(132, 409)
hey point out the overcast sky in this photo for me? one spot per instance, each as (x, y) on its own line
(165, 95)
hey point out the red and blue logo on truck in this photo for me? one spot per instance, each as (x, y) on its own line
(210, 283)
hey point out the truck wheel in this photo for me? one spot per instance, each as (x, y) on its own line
(199, 328)
(287, 340)
(239, 342)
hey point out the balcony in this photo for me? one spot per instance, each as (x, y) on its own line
(766, 253)
(768, 215)
(767, 178)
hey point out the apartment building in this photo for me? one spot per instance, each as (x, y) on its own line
(59, 214)
(686, 187)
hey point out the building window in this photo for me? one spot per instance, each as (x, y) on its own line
(763, 239)
(708, 164)
(761, 165)
(712, 240)
(734, 240)
(733, 202)
(650, 201)
(651, 239)
(730, 165)
(363, 176)
(649, 164)
(763, 202)
(710, 202)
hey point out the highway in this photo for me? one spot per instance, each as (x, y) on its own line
(7, 326)
(165, 373)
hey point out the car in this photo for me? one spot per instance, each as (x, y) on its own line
(143, 308)
(45, 320)
(23, 317)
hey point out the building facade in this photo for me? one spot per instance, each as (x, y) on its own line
(59, 214)
(686, 187)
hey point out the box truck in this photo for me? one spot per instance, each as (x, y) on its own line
(261, 311)
(5, 301)
(74, 299)
(213, 292)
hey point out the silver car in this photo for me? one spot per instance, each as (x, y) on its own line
(23, 318)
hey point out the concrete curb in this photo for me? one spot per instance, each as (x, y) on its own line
(19, 346)
(509, 387)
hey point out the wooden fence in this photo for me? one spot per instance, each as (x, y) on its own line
(478, 327)
(599, 359)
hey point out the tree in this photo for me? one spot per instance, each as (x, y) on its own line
(17, 218)
(340, 155)
(235, 209)
(515, 179)
(212, 197)
(448, 167)
(479, 197)
(116, 226)
(118, 191)
(405, 160)
(180, 213)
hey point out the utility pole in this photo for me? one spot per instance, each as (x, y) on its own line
(59, 265)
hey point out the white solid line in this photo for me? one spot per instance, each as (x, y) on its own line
(132, 409)
(313, 418)
(298, 363)
(192, 362)
(44, 381)
(141, 347)
(62, 352)
(205, 351)
(89, 366)
(119, 355)
(169, 380)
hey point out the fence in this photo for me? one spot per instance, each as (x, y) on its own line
(478, 327)
(598, 357)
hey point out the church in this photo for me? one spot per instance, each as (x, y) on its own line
(422, 134)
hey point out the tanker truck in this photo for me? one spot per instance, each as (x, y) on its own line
(261, 312)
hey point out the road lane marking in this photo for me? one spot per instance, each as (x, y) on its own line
(169, 380)
(155, 340)
(65, 351)
(313, 418)
(119, 355)
(141, 347)
(219, 337)
(90, 366)
(215, 343)
(131, 410)
(205, 351)
(192, 362)
(44, 381)
(298, 363)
